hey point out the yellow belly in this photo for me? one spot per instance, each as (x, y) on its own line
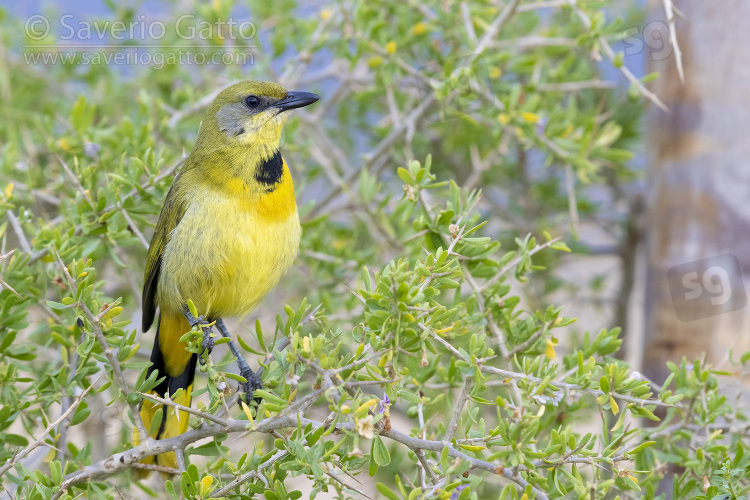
(228, 252)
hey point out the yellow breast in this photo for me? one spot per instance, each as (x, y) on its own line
(230, 249)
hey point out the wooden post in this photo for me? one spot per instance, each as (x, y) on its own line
(699, 187)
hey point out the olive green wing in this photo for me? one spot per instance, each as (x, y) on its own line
(174, 208)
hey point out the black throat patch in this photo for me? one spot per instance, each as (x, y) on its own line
(270, 171)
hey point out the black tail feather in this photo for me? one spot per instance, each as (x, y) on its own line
(169, 385)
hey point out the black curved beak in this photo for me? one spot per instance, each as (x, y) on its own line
(296, 99)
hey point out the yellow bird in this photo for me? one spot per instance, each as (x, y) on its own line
(227, 233)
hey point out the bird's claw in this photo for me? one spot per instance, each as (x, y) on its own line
(193, 321)
(253, 383)
(207, 344)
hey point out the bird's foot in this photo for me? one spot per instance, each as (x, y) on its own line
(253, 383)
(208, 343)
(192, 320)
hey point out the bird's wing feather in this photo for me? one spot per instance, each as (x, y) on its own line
(174, 208)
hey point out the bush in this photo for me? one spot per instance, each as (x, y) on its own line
(421, 347)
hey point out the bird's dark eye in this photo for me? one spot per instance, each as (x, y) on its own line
(252, 101)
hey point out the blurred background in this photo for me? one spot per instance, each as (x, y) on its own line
(616, 125)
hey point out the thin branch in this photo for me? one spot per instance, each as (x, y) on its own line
(2, 282)
(12, 290)
(668, 9)
(156, 468)
(537, 380)
(180, 454)
(528, 343)
(458, 409)
(513, 263)
(249, 476)
(533, 41)
(612, 57)
(468, 23)
(63, 429)
(134, 228)
(426, 466)
(550, 4)
(575, 86)
(494, 28)
(186, 409)
(335, 477)
(198, 105)
(25, 246)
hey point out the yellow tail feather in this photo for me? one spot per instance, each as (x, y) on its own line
(170, 359)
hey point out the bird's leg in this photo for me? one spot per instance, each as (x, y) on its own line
(208, 341)
(253, 379)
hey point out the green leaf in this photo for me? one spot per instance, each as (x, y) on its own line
(604, 384)
(15, 440)
(386, 492)
(81, 414)
(372, 468)
(156, 421)
(169, 486)
(211, 449)
(410, 397)
(641, 447)
(57, 306)
(8, 340)
(405, 175)
(380, 452)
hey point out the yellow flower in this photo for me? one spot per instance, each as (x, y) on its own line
(613, 406)
(365, 427)
(530, 117)
(306, 344)
(549, 351)
(206, 483)
(364, 407)
(326, 14)
(374, 62)
(63, 144)
(9, 190)
(246, 409)
(503, 118)
(419, 29)
(390, 47)
(495, 73)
